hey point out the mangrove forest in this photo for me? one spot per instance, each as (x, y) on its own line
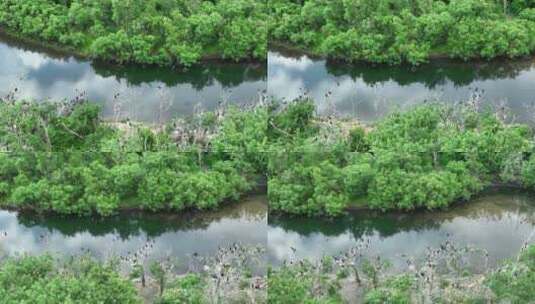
(267, 151)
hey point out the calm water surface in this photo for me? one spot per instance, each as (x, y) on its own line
(499, 223)
(368, 93)
(146, 94)
(170, 235)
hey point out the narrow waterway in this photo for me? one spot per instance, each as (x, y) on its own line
(368, 92)
(150, 236)
(147, 94)
(498, 223)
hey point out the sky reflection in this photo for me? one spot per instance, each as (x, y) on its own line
(499, 223)
(368, 93)
(147, 94)
(171, 236)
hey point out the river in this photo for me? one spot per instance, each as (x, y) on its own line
(152, 236)
(496, 222)
(368, 93)
(148, 94)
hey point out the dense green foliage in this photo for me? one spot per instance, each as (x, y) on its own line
(63, 158)
(515, 281)
(296, 285)
(188, 289)
(156, 32)
(427, 157)
(27, 126)
(83, 183)
(389, 31)
(395, 290)
(41, 280)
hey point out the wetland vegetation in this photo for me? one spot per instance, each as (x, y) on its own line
(447, 274)
(226, 277)
(62, 157)
(394, 32)
(429, 157)
(182, 170)
(156, 32)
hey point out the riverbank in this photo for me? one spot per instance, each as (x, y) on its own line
(128, 92)
(296, 51)
(356, 207)
(149, 236)
(438, 56)
(410, 33)
(498, 224)
(136, 210)
(60, 51)
(55, 50)
(369, 93)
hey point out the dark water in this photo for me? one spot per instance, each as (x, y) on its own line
(178, 237)
(367, 93)
(147, 94)
(499, 223)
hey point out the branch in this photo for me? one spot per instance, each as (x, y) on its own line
(71, 131)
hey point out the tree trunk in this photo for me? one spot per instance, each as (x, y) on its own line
(357, 276)
(162, 283)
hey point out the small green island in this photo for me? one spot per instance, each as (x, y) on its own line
(430, 156)
(62, 157)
